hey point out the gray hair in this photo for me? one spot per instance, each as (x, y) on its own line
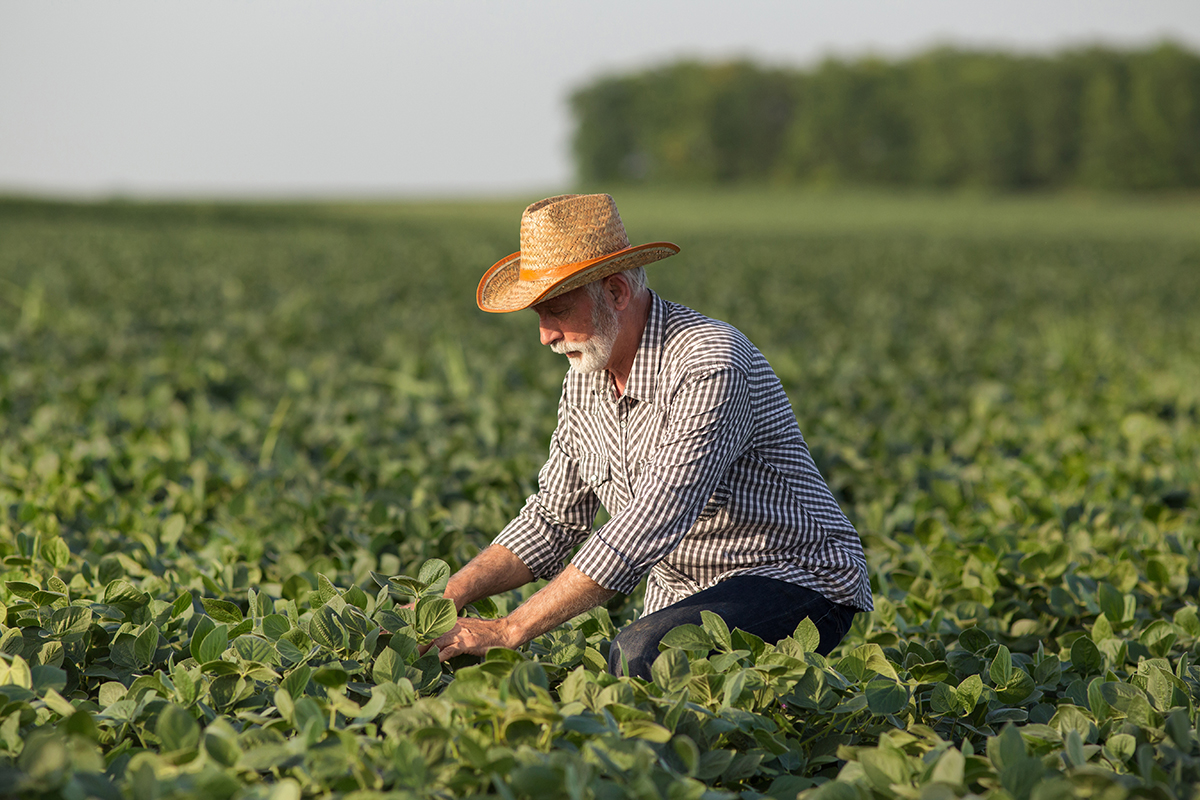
(636, 278)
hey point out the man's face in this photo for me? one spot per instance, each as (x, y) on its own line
(583, 330)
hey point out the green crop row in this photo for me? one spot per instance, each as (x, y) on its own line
(237, 443)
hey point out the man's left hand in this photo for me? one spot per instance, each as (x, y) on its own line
(473, 636)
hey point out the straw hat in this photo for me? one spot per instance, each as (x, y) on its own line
(566, 241)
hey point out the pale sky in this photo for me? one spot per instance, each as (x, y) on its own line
(312, 98)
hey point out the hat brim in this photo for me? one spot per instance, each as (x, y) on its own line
(501, 289)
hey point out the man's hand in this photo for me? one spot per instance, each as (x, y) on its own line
(474, 637)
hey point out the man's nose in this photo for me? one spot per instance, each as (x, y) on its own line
(549, 333)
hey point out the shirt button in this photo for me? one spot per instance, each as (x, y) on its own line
(622, 423)
(595, 478)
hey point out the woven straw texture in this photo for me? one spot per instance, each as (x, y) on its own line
(566, 241)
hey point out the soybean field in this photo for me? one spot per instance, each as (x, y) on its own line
(236, 440)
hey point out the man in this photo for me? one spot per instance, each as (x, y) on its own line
(678, 425)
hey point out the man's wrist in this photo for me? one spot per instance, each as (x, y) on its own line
(512, 632)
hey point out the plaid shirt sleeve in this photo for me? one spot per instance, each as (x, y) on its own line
(559, 516)
(708, 429)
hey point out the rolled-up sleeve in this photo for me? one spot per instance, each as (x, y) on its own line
(708, 429)
(559, 516)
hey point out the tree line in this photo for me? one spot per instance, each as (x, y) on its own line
(1096, 118)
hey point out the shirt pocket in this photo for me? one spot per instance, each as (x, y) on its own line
(594, 469)
(720, 497)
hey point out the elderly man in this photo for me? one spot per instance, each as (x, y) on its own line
(677, 424)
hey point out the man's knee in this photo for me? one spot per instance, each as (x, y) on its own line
(635, 648)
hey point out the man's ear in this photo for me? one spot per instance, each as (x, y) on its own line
(619, 290)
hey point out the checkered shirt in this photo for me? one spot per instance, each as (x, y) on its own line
(702, 468)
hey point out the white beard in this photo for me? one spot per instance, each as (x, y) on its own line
(596, 350)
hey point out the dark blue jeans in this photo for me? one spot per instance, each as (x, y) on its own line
(769, 608)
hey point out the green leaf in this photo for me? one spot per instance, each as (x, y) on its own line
(326, 629)
(717, 630)
(886, 697)
(46, 677)
(1120, 747)
(1073, 749)
(356, 597)
(325, 589)
(22, 589)
(177, 729)
(974, 640)
(275, 625)
(121, 592)
(523, 679)
(1070, 718)
(290, 651)
(692, 638)
(434, 574)
(186, 684)
(1019, 687)
(172, 529)
(255, 649)
(331, 677)
(389, 666)
(285, 704)
(1001, 671)
(807, 635)
(931, 672)
(221, 749)
(309, 718)
(950, 768)
(204, 626)
(56, 553)
(297, 680)
(181, 604)
(1112, 602)
(865, 660)
(645, 729)
(969, 692)
(671, 671)
(222, 610)
(44, 598)
(1179, 729)
(16, 673)
(435, 616)
(735, 683)
(1131, 702)
(1189, 619)
(72, 619)
(944, 700)
(1085, 656)
(146, 645)
(486, 607)
(885, 766)
(1158, 637)
(713, 764)
(214, 644)
(565, 646)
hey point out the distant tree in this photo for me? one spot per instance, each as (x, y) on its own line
(1094, 117)
(851, 124)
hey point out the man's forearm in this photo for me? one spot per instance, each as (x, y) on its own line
(570, 594)
(494, 570)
